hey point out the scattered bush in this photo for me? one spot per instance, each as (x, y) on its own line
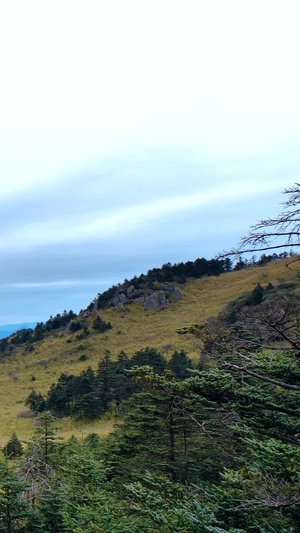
(26, 414)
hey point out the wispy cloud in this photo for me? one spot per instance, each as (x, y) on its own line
(62, 283)
(95, 226)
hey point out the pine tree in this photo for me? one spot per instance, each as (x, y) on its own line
(15, 512)
(163, 429)
(150, 357)
(86, 404)
(105, 382)
(36, 402)
(13, 448)
(52, 506)
(179, 364)
(46, 436)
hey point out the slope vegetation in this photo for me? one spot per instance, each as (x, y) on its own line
(133, 327)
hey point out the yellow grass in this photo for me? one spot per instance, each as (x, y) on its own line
(133, 329)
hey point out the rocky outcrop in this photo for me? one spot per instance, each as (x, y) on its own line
(154, 301)
(119, 300)
(152, 298)
(172, 290)
(131, 290)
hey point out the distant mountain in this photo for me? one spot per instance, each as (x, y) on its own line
(8, 329)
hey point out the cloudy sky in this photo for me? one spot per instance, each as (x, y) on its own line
(133, 133)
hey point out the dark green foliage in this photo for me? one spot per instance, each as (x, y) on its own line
(38, 332)
(15, 512)
(22, 336)
(59, 320)
(53, 507)
(220, 449)
(256, 296)
(164, 428)
(61, 395)
(104, 298)
(29, 336)
(149, 357)
(179, 364)
(90, 395)
(85, 403)
(240, 264)
(227, 264)
(264, 259)
(45, 437)
(100, 325)
(84, 333)
(123, 388)
(3, 345)
(75, 326)
(88, 505)
(13, 448)
(220, 444)
(105, 382)
(73, 395)
(36, 402)
(171, 507)
(93, 440)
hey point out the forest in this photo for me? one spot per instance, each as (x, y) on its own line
(206, 445)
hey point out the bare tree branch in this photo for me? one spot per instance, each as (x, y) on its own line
(287, 386)
(286, 226)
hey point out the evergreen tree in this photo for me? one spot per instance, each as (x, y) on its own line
(179, 364)
(89, 506)
(105, 382)
(38, 332)
(164, 427)
(75, 325)
(123, 388)
(172, 507)
(256, 296)
(52, 506)
(61, 396)
(36, 402)
(100, 325)
(13, 448)
(149, 357)
(15, 513)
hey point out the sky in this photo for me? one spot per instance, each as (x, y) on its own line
(136, 133)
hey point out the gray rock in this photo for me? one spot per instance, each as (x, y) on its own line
(130, 290)
(172, 290)
(119, 300)
(85, 314)
(155, 300)
(176, 293)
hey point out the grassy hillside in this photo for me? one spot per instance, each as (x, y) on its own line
(133, 328)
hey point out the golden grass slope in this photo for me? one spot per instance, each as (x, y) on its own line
(133, 329)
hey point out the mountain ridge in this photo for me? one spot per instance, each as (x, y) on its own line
(37, 365)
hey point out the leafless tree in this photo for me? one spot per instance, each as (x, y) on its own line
(273, 233)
